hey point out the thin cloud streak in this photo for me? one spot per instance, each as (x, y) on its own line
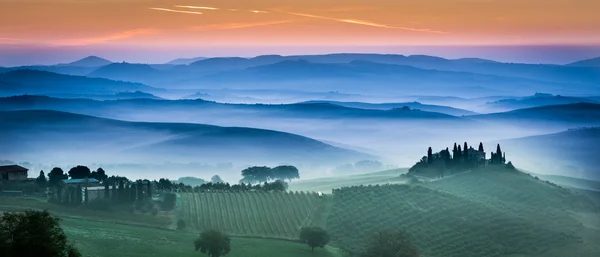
(171, 10)
(256, 11)
(365, 23)
(198, 7)
(239, 25)
(102, 39)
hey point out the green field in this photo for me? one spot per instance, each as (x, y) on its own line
(487, 212)
(325, 185)
(263, 214)
(101, 239)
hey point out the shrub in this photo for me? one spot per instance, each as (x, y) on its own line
(180, 224)
(169, 201)
(154, 211)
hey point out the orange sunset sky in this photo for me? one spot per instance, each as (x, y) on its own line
(110, 24)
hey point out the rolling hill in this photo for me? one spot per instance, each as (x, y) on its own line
(594, 62)
(536, 100)
(185, 61)
(42, 82)
(358, 76)
(413, 105)
(561, 117)
(90, 61)
(58, 136)
(490, 211)
(570, 153)
(127, 72)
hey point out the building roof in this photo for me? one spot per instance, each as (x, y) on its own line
(12, 168)
(81, 180)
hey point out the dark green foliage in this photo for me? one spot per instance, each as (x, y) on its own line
(284, 172)
(106, 191)
(480, 147)
(99, 174)
(56, 176)
(41, 180)
(314, 237)
(169, 201)
(86, 200)
(79, 172)
(149, 188)
(390, 244)
(256, 174)
(113, 193)
(33, 233)
(214, 243)
(180, 224)
(510, 166)
(164, 184)
(429, 155)
(465, 152)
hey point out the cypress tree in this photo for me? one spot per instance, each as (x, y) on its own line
(429, 155)
(498, 154)
(106, 190)
(455, 152)
(114, 192)
(86, 196)
(480, 147)
(465, 152)
(459, 153)
(149, 190)
(140, 195)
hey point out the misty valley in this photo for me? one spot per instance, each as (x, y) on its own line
(331, 155)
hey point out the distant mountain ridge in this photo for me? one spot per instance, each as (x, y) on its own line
(185, 61)
(593, 62)
(90, 61)
(413, 105)
(536, 100)
(43, 82)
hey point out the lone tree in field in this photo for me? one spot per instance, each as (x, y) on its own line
(390, 244)
(256, 174)
(33, 233)
(314, 237)
(41, 180)
(79, 172)
(213, 242)
(284, 172)
(429, 155)
(55, 176)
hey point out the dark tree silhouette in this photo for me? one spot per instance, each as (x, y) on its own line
(33, 233)
(455, 152)
(314, 237)
(429, 155)
(480, 147)
(55, 176)
(256, 174)
(459, 153)
(164, 184)
(41, 180)
(79, 172)
(284, 172)
(213, 242)
(390, 244)
(465, 152)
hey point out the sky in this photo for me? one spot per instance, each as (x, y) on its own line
(46, 31)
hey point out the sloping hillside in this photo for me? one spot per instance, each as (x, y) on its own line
(571, 153)
(57, 136)
(43, 82)
(488, 212)
(536, 100)
(413, 105)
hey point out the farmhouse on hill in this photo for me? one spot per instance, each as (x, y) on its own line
(13, 173)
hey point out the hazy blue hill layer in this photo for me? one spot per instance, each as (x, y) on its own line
(594, 62)
(40, 82)
(186, 108)
(127, 72)
(571, 153)
(90, 61)
(487, 212)
(48, 134)
(536, 100)
(356, 75)
(413, 105)
(578, 114)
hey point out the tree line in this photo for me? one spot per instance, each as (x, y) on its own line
(459, 158)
